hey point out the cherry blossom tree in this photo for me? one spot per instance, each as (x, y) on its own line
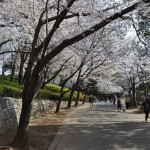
(52, 26)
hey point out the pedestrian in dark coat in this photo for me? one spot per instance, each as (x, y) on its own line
(146, 108)
(119, 104)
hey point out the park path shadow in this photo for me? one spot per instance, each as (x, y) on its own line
(97, 128)
(110, 136)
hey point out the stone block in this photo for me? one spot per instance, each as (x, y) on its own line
(17, 103)
(63, 104)
(10, 123)
(3, 103)
(6, 114)
(16, 123)
(40, 108)
(13, 114)
(10, 104)
(1, 116)
(35, 112)
(2, 124)
(2, 127)
(18, 112)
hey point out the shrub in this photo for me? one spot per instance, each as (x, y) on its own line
(53, 88)
(8, 91)
(52, 91)
(47, 94)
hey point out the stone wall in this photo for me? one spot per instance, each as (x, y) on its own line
(10, 110)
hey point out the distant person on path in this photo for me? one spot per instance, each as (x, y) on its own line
(123, 104)
(91, 100)
(110, 98)
(143, 98)
(127, 100)
(114, 99)
(119, 103)
(146, 108)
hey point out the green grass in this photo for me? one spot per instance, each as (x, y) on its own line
(10, 89)
(53, 88)
(51, 91)
(54, 91)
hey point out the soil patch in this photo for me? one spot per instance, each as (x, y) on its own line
(42, 130)
(135, 110)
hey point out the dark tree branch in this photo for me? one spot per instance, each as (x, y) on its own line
(81, 36)
(67, 17)
(137, 33)
(58, 21)
(54, 18)
(56, 72)
(24, 15)
(1, 44)
(14, 52)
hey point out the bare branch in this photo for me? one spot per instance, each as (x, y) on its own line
(5, 42)
(24, 15)
(58, 21)
(81, 36)
(137, 33)
(55, 17)
(111, 7)
(14, 52)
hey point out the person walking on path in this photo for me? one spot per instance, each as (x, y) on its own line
(143, 98)
(119, 103)
(114, 99)
(127, 101)
(146, 108)
(91, 100)
(123, 104)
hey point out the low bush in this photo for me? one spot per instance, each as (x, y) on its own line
(51, 91)
(53, 88)
(8, 91)
(47, 94)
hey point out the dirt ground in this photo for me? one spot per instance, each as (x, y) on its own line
(42, 131)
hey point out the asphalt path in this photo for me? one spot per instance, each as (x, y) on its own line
(102, 128)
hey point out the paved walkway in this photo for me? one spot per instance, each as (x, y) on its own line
(102, 128)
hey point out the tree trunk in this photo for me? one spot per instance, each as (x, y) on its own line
(70, 98)
(60, 99)
(12, 72)
(29, 92)
(134, 93)
(43, 85)
(20, 74)
(86, 90)
(77, 100)
(3, 74)
(133, 89)
(58, 104)
(21, 138)
(20, 81)
(145, 90)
